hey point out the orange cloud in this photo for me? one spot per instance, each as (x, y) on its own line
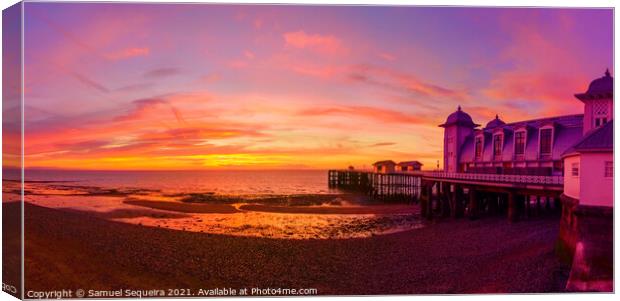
(325, 44)
(192, 134)
(375, 113)
(379, 144)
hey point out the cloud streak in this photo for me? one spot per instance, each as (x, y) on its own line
(374, 113)
(161, 73)
(400, 81)
(128, 53)
(324, 44)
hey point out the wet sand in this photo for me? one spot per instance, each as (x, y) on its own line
(461, 256)
(375, 209)
(276, 216)
(184, 207)
(225, 208)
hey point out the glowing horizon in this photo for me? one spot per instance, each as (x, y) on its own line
(111, 86)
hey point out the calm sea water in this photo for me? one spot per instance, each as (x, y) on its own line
(220, 182)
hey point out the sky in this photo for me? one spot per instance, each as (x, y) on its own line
(177, 86)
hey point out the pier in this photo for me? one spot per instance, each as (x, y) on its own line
(400, 187)
(472, 195)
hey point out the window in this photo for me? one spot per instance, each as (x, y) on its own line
(519, 143)
(379, 167)
(600, 109)
(478, 147)
(600, 121)
(497, 145)
(545, 141)
(574, 169)
(609, 169)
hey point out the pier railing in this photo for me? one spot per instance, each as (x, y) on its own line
(385, 186)
(409, 183)
(495, 178)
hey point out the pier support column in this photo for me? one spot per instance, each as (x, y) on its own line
(438, 198)
(424, 199)
(512, 207)
(557, 205)
(456, 204)
(484, 203)
(429, 207)
(473, 204)
(453, 200)
(492, 199)
(528, 198)
(445, 200)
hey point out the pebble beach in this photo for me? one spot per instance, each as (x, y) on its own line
(447, 257)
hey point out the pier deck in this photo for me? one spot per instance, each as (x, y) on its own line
(457, 194)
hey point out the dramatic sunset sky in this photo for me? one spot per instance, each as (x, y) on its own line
(134, 86)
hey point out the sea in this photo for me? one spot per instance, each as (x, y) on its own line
(292, 204)
(224, 182)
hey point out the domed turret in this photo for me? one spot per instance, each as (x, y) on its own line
(457, 128)
(598, 102)
(495, 123)
(459, 118)
(601, 87)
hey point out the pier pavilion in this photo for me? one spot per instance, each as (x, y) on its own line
(521, 169)
(518, 167)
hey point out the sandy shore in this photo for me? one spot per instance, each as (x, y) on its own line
(459, 256)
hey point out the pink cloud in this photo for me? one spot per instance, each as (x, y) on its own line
(208, 78)
(325, 44)
(387, 56)
(144, 108)
(396, 80)
(238, 64)
(249, 54)
(89, 82)
(258, 23)
(128, 53)
(543, 75)
(321, 71)
(162, 72)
